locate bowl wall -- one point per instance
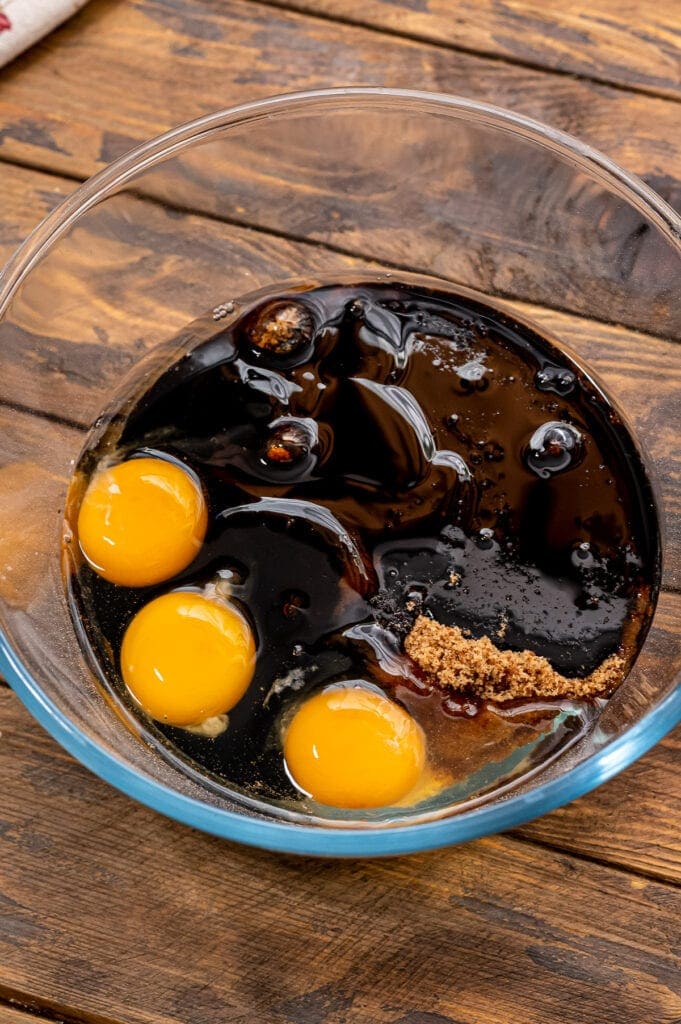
(311, 187)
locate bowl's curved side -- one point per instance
(295, 838)
(317, 842)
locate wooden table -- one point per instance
(111, 914)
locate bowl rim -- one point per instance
(292, 837)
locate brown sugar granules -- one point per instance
(480, 668)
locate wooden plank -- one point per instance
(631, 43)
(199, 929)
(166, 63)
(75, 340)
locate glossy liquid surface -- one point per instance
(369, 452)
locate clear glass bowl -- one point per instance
(311, 186)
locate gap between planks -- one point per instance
(432, 40)
(17, 1007)
(588, 858)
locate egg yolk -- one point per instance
(186, 658)
(141, 522)
(352, 747)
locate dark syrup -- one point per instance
(395, 450)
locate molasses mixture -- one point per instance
(407, 492)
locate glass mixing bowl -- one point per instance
(314, 186)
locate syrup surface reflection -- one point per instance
(370, 453)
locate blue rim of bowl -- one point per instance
(293, 837)
(356, 842)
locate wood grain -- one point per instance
(633, 44)
(200, 930)
(167, 62)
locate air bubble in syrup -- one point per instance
(555, 378)
(582, 556)
(415, 597)
(290, 441)
(485, 538)
(223, 310)
(553, 448)
(473, 371)
(280, 327)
